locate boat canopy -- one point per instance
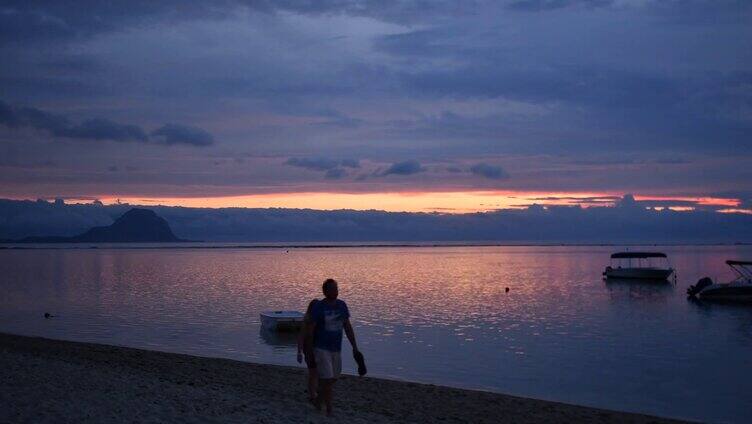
(743, 268)
(637, 255)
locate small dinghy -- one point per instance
(282, 320)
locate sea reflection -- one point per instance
(439, 315)
(639, 290)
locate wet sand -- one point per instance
(51, 381)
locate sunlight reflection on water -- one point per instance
(429, 314)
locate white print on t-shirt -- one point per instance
(333, 321)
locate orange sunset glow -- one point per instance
(442, 202)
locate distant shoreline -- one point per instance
(333, 245)
(46, 380)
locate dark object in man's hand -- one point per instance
(362, 370)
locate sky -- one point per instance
(446, 106)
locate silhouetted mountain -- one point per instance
(136, 225)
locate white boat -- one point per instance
(639, 266)
(737, 290)
(278, 338)
(281, 320)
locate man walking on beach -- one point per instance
(328, 318)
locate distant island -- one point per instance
(134, 226)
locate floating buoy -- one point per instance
(506, 290)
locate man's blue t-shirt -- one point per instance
(329, 319)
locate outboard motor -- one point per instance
(701, 284)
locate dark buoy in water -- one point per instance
(506, 290)
(48, 315)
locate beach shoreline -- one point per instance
(45, 380)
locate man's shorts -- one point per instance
(328, 363)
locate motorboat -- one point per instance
(281, 320)
(639, 266)
(738, 289)
(278, 339)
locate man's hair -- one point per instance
(327, 283)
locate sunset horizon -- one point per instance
(451, 202)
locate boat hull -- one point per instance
(638, 273)
(281, 320)
(727, 293)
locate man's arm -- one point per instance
(351, 335)
(305, 333)
(308, 328)
(302, 336)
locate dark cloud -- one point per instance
(314, 164)
(668, 109)
(33, 22)
(541, 5)
(586, 199)
(56, 125)
(350, 163)
(20, 117)
(335, 173)
(712, 12)
(493, 172)
(339, 121)
(584, 86)
(98, 129)
(628, 201)
(424, 43)
(672, 161)
(24, 22)
(104, 129)
(681, 11)
(667, 112)
(610, 160)
(182, 134)
(6, 161)
(408, 167)
(322, 164)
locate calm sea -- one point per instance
(429, 314)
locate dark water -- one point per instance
(437, 314)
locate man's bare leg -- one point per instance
(313, 383)
(326, 392)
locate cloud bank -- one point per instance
(627, 222)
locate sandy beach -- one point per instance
(45, 381)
